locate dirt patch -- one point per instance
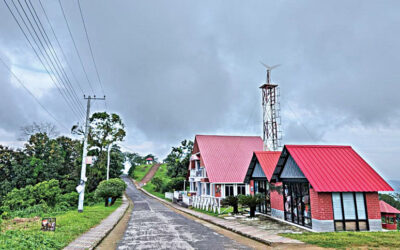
(112, 239)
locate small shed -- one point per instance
(149, 160)
(389, 215)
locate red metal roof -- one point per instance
(149, 159)
(336, 169)
(226, 158)
(268, 161)
(386, 208)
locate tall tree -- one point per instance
(105, 129)
(178, 159)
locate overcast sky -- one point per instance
(173, 69)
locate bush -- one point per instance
(113, 188)
(231, 201)
(158, 183)
(47, 192)
(251, 201)
(70, 198)
(91, 199)
(174, 184)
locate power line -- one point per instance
(48, 58)
(36, 52)
(90, 48)
(30, 93)
(58, 42)
(63, 76)
(76, 48)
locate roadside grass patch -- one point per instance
(350, 239)
(70, 225)
(140, 171)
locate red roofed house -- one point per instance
(218, 164)
(329, 188)
(389, 214)
(149, 160)
(259, 176)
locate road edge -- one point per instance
(93, 237)
(170, 204)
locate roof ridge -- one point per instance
(318, 146)
(256, 136)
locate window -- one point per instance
(228, 190)
(241, 189)
(297, 207)
(208, 188)
(349, 212)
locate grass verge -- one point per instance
(70, 225)
(346, 240)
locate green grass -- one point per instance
(342, 240)
(141, 171)
(161, 173)
(70, 225)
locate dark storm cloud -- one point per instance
(174, 69)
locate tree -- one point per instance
(178, 159)
(105, 129)
(251, 201)
(113, 188)
(231, 201)
(98, 171)
(43, 128)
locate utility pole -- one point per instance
(81, 187)
(108, 160)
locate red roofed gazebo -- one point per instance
(389, 214)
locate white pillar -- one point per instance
(247, 189)
(235, 190)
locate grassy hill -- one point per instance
(140, 171)
(162, 174)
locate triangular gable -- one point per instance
(262, 165)
(291, 170)
(258, 172)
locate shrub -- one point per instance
(251, 201)
(47, 192)
(70, 198)
(158, 183)
(91, 199)
(113, 188)
(231, 201)
(174, 184)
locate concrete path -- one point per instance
(149, 175)
(154, 225)
(269, 237)
(92, 238)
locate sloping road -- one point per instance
(156, 226)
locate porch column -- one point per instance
(235, 190)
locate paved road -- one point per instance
(156, 226)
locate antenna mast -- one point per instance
(271, 118)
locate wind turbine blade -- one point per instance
(275, 66)
(268, 67)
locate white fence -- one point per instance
(169, 195)
(187, 199)
(208, 203)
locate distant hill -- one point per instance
(395, 185)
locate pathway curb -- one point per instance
(95, 235)
(218, 222)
